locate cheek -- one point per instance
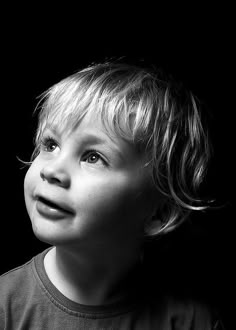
(29, 185)
(111, 198)
(28, 181)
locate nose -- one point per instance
(57, 174)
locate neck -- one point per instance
(91, 280)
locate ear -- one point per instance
(153, 226)
(154, 222)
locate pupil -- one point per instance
(51, 146)
(93, 158)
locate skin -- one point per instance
(99, 243)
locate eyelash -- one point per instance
(46, 141)
(91, 152)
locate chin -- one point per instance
(53, 233)
(45, 233)
(44, 236)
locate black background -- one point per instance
(200, 53)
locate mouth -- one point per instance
(51, 205)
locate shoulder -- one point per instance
(199, 314)
(182, 311)
(180, 302)
(15, 280)
(15, 272)
(22, 277)
(20, 293)
(19, 284)
(188, 313)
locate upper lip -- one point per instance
(58, 204)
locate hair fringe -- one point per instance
(157, 115)
(25, 163)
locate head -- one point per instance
(155, 127)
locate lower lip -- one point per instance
(51, 212)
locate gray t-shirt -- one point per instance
(28, 300)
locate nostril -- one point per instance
(42, 176)
(49, 176)
(60, 178)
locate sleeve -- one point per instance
(206, 318)
(2, 316)
(218, 325)
(193, 315)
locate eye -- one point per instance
(48, 144)
(93, 157)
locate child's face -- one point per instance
(99, 180)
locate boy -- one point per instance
(119, 157)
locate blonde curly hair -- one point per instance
(157, 115)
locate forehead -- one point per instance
(120, 113)
(114, 124)
(91, 130)
(90, 124)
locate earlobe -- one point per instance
(153, 226)
(154, 223)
